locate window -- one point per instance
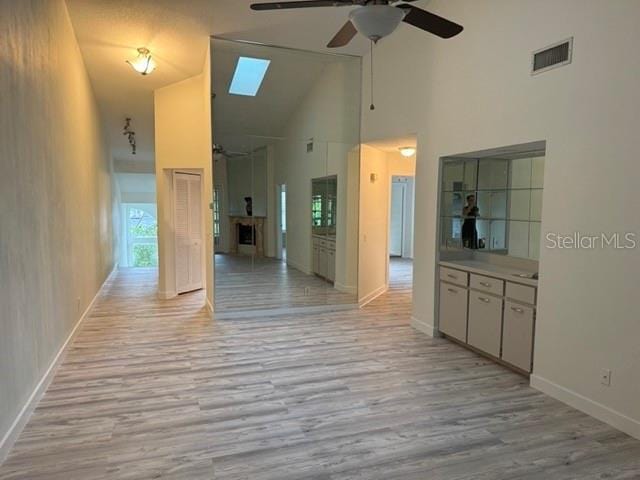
(141, 235)
(316, 210)
(248, 76)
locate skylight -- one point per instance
(248, 76)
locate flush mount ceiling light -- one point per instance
(407, 151)
(143, 63)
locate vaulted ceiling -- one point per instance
(177, 33)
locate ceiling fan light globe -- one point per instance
(376, 21)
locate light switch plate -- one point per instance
(605, 377)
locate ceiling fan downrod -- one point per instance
(372, 106)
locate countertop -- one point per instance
(491, 270)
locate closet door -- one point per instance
(187, 193)
(396, 230)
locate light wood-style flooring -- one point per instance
(154, 389)
(243, 282)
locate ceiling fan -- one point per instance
(220, 150)
(375, 19)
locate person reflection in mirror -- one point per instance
(469, 231)
(248, 205)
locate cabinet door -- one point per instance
(453, 311)
(322, 262)
(485, 322)
(331, 265)
(517, 335)
(316, 259)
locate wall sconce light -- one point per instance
(143, 64)
(407, 151)
(373, 177)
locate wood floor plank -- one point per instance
(156, 389)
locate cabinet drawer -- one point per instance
(454, 276)
(521, 293)
(485, 322)
(487, 284)
(453, 311)
(517, 335)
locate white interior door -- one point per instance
(396, 224)
(187, 193)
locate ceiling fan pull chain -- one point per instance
(372, 106)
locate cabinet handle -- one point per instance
(485, 284)
(452, 290)
(484, 299)
(517, 309)
(452, 276)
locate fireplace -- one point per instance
(246, 234)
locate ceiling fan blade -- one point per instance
(344, 35)
(300, 4)
(430, 22)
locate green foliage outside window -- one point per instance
(144, 230)
(145, 255)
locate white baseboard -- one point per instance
(423, 326)
(350, 289)
(21, 420)
(298, 266)
(209, 306)
(373, 295)
(167, 295)
(612, 417)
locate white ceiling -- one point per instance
(177, 32)
(393, 145)
(241, 123)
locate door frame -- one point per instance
(413, 216)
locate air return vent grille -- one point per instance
(553, 56)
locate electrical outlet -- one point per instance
(605, 377)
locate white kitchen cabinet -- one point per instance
(517, 335)
(485, 322)
(453, 311)
(489, 311)
(324, 257)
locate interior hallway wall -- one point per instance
(183, 141)
(374, 216)
(328, 115)
(460, 98)
(56, 195)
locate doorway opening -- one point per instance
(281, 224)
(401, 216)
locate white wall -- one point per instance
(328, 114)
(374, 223)
(183, 141)
(474, 92)
(57, 233)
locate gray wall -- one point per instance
(56, 234)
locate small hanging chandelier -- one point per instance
(143, 64)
